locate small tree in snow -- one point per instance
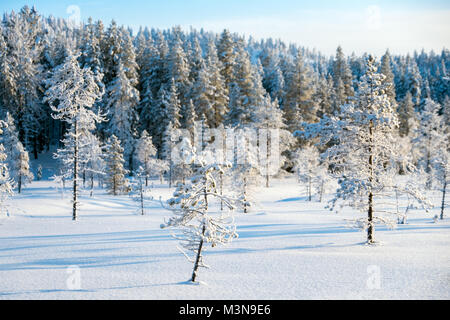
(246, 171)
(20, 169)
(18, 160)
(183, 154)
(145, 155)
(6, 184)
(192, 214)
(307, 167)
(139, 190)
(116, 181)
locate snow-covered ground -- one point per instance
(288, 248)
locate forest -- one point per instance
(121, 110)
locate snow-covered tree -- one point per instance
(116, 181)
(366, 156)
(431, 136)
(17, 157)
(200, 225)
(342, 77)
(145, 155)
(6, 184)
(246, 174)
(122, 100)
(20, 170)
(72, 92)
(94, 164)
(183, 154)
(307, 167)
(297, 103)
(441, 164)
(139, 190)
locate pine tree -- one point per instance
(407, 116)
(17, 156)
(227, 56)
(297, 103)
(200, 226)
(431, 137)
(22, 75)
(386, 70)
(75, 91)
(178, 70)
(241, 89)
(366, 156)
(342, 78)
(116, 181)
(6, 184)
(145, 155)
(122, 100)
(139, 189)
(307, 167)
(246, 169)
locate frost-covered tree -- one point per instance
(227, 55)
(366, 156)
(22, 75)
(17, 157)
(6, 184)
(342, 77)
(116, 181)
(273, 136)
(183, 154)
(94, 164)
(246, 172)
(122, 100)
(145, 155)
(297, 103)
(431, 137)
(407, 116)
(200, 225)
(72, 92)
(307, 167)
(441, 164)
(139, 190)
(20, 170)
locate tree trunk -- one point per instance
(142, 197)
(75, 172)
(321, 191)
(370, 227)
(199, 255)
(267, 158)
(370, 220)
(309, 188)
(92, 184)
(221, 190)
(443, 197)
(19, 184)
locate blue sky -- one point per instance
(359, 26)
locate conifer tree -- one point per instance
(366, 155)
(116, 181)
(72, 92)
(200, 225)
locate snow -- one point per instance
(288, 248)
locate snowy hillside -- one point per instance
(288, 248)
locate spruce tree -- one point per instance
(116, 181)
